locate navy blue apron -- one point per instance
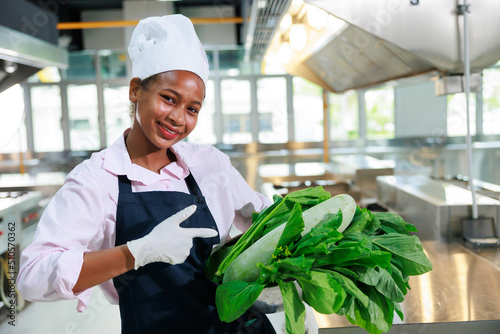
(164, 298)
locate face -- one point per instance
(166, 111)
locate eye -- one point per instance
(168, 98)
(193, 110)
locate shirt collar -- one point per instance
(117, 161)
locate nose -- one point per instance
(177, 115)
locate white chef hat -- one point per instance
(166, 43)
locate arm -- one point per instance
(100, 266)
(168, 242)
(73, 224)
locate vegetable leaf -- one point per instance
(293, 228)
(377, 317)
(407, 249)
(234, 298)
(394, 223)
(322, 293)
(349, 286)
(362, 218)
(295, 311)
(284, 269)
(272, 217)
(319, 239)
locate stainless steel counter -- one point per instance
(460, 295)
(47, 183)
(435, 208)
(362, 169)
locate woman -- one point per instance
(141, 217)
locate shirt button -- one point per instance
(199, 200)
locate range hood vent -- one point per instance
(263, 20)
(384, 40)
(22, 51)
(357, 59)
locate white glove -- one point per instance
(168, 242)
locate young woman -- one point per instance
(141, 217)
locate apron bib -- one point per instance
(165, 298)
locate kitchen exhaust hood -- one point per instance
(22, 55)
(384, 40)
(23, 51)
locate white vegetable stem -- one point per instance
(244, 267)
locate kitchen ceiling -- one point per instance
(71, 11)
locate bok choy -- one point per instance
(346, 260)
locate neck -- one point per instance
(144, 154)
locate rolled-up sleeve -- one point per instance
(71, 225)
(246, 201)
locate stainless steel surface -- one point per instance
(47, 182)
(344, 63)
(19, 215)
(363, 170)
(430, 30)
(389, 40)
(263, 21)
(307, 171)
(482, 187)
(435, 208)
(30, 55)
(284, 178)
(460, 295)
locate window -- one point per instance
(84, 125)
(308, 111)
(457, 114)
(113, 64)
(46, 113)
(236, 107)
(12, 126)
(344, 116)
(379, 104)
(491, 101)
(266, 122)
(81, 66)
(117, 111)
(204, 132)
(272, 107)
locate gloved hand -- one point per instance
(168, 242)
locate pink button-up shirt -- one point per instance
(82, 214)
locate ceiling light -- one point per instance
(261, 4)
(317, 18)
(286, 22)
(285, 52)
(10, 67)
(298, 37)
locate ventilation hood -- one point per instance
(380, 41)
(27, 42)
(22, 55)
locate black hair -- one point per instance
(145, 85)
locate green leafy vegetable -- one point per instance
(322, 292)
(295, 311)
(346, 260)
(236, 298)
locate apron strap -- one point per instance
(193, 186)
(124, 184)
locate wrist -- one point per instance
(136, 250)
(129, 257)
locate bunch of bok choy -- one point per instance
(345, 259)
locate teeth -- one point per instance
(163, 126)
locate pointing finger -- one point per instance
(184, 214)
(201, 232)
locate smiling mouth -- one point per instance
(168, 130)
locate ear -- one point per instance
(134, 87)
